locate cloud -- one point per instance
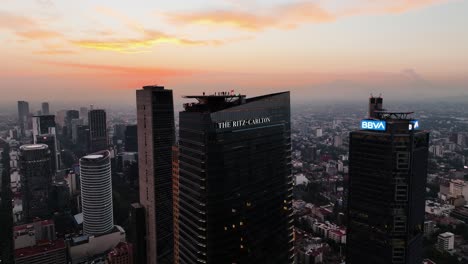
(125, 70)
(149, 39)
(289, 16)
(284, 16)
(12, 21)
(25, 27)
(38, 34)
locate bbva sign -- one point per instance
(378, 125)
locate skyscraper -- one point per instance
(6, 206)
(155, 113)
(96, 193)
(45, 108)
(131, 138)
(44, 132)
(23, 115)
(386, 196)
(51, 141)
(137, 232)
(42, 125)
(175, 198)
(36, 180)
(235, 180)
(70, 116)
(84, 114)
(98, 130)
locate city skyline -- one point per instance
(63, 51)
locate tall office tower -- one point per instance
(387, 182)
(119, 133)
(51, 141)
(235, 180)
(155, 114)
(96, 193)
(43, 125)
(6, 206)
(45, 108)
(44, 132)
(23, 115)
(131, 138)
(98, 130)
(60, 118)
(84, 114)
(175, 199)
(74, 129)
(137, 232)
(36, 180)
(82, 138)
(70, 116)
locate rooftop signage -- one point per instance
(414, 125)
(377, 125)
(243, 122)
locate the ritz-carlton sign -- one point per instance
(243, 122)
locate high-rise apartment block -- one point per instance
(96, 193)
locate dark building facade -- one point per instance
(23, 115)
(137, 232)
(50, 141)
(131, 138)
(43, 124)
(175, 199)
(70, 115)
(98, 130)
(45, 108)
(235, 180)
(6, 207)
(386, 193)
(36, 180)
(156, 136)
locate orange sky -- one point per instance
(64, 50)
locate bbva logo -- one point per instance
(373, 125)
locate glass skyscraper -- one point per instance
(387, 184)
(235, 182)
(36, 180)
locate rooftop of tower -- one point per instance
(213, 102)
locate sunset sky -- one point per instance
(103, 50)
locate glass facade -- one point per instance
(36, 179)
(387, 179)
(235, 183)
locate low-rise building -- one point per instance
(446, 241)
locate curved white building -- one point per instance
(96, 193)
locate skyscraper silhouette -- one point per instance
(386, 196)
(36, 180)
(235, 181)
(155, 113)
(45, 108)
(98, 130)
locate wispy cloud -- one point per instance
(137, 71)
(149, 39)
(38, 34)
(24, 27)
(284, 16)
(289, 16)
